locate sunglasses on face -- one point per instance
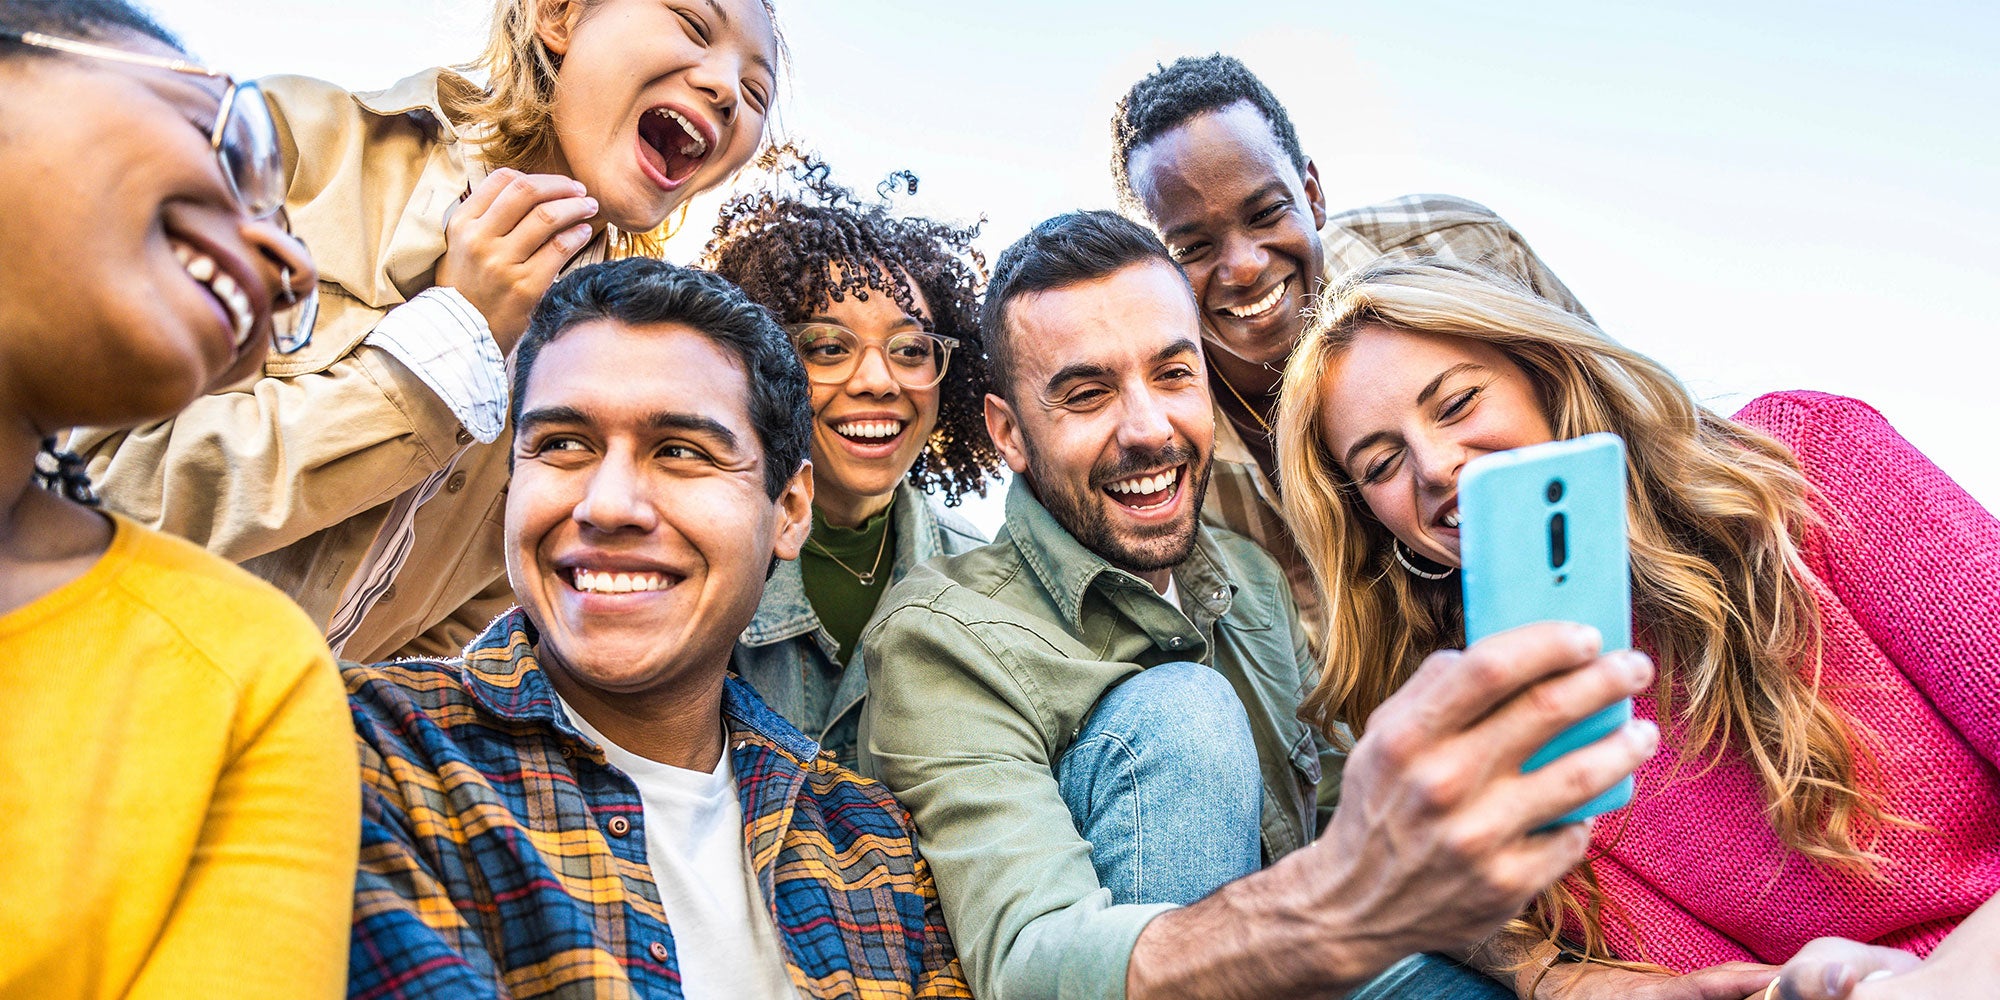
(245, 141)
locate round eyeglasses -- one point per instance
(245, 141)
(831, 352)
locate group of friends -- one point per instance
(476, 605)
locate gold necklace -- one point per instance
(1254, 415)
(867, 579)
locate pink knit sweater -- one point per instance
(1910, 607)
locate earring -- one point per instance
(62, 473)
(1410, 566)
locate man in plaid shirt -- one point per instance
(585, 805)
(1204, 152)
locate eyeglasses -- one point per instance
(831, 352)
(245, 141)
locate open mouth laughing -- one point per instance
(674, 144)
(1262, 306)
(1148, 492)
(222, 286)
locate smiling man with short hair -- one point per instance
(1094, 719)
(586, 804)
(1205, 152)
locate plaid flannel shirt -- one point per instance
(501, 856)
(1240, 494)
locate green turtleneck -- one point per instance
(840, 600)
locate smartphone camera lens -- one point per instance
(1555, 490)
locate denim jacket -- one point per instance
(786, 639)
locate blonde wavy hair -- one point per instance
(1721, 594)
(515, 112)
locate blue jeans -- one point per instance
(1431, 977)
(1163, 782)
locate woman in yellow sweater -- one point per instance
(179, 805)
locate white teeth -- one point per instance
(869, 428)
(696, 144)
(1143, 485)
(1261, 305)
(594, 582)
(1450, 520)
(202, 268)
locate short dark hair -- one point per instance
(639, 291)
(1193, 85)
(92, 20)
(782, 249)
(1067, 250)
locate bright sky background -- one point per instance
(1762, 195)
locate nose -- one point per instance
(1240, 262)
(871, 375)
(1436, 463)
(616, 499)
(1143, 426)
(715, 78)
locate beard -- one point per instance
(1084, 511)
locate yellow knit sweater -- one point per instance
(179, 796)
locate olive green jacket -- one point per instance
(981, 669)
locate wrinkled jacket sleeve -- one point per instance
(408, 940)
(1018, 888)
(1912, 555)
(251, 470)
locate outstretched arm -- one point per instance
(1436, 840)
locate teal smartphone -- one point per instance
(1542, 538)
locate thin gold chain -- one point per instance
(866, 579)
(1254, 415)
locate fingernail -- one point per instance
(1877, 974)
(1588, 639)
(1835, 977)
(1643, 734)
(1638, 667)
(591, 204)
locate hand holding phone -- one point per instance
(1542, 538)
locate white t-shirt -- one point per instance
(724, 939)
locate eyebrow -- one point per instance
(663, 421)
(723, 16)
(1272, 186)
(1086, 369)
(1430, 389)
(907, 320)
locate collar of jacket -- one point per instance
(504, 676)
(785, 613)
(1066, 570)
(417, 92)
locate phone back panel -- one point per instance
(1510, 552)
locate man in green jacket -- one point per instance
(1093, 719)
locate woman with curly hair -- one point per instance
(884, 312)
(1819, 597)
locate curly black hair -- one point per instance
(782, 248)
(1171, 95)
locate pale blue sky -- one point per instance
(1761, 195)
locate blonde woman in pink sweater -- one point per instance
(1820, 600)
